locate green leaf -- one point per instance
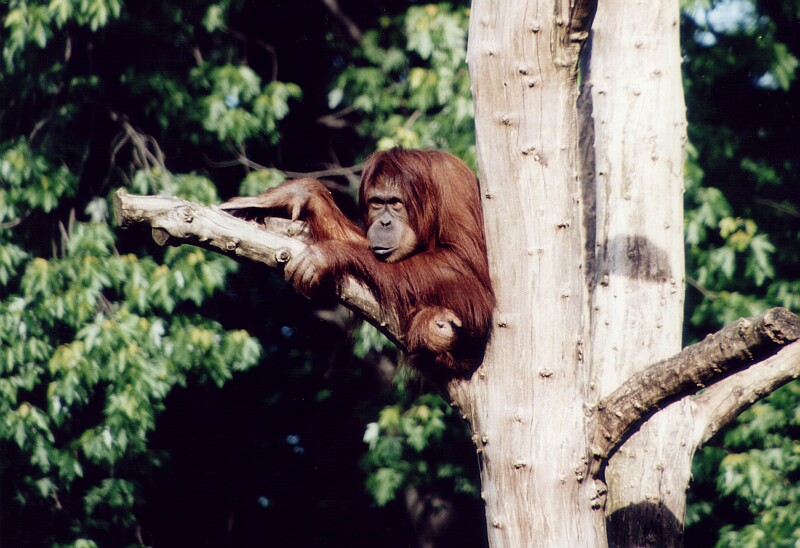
(256, 182)
(383, 485)
(759, 263)
(214, 19)
(785, 66)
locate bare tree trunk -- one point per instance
(583, 198)
(633, 84)
(527, 403)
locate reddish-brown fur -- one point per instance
(448, 271)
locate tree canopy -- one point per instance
(152, 395)
(742, 232)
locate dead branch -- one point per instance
(146, 151)
(349, 25)
(737, 346)
(273, 55)
(722, 402)
(175, 221)
(330, 172)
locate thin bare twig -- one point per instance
(783, 208)
(349, 25)
(330, 172)
(411, 119)
(708, 294)
(334, 119)
(147, 153)
(267, 47)
(13, 222)
(242, 160)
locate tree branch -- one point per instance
(736, 346)
(349, 25)
(339, 170)
(721, 403)
(175, 221)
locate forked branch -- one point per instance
(722, 402)
(176, 221)
(733, 348)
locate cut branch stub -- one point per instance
(177, 221)
(283, 255)
(733, 348)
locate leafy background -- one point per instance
(171, 397)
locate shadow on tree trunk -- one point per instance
(644, 525)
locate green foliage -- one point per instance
(368, 339)
(409, 81)
(93, 340)
(418, 443)
(98, 329)
(742, 234)
(30, 182)
(260, 180)
(729, 252)
(736, 179)
(238, 107)
(91, 348)
(754, 475)
(35, 23)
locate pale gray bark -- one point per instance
(722, 402)
(176, 221)
(734, 347)
(633, 84)
(526, 405)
